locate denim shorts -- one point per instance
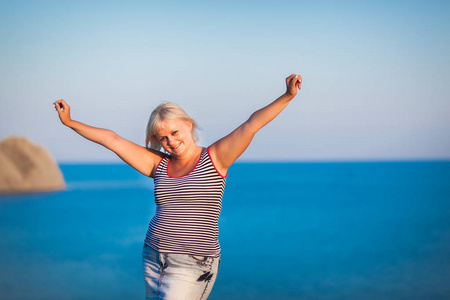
(178, 276)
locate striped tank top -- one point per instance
(187, 209)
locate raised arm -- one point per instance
(225, 151)
(140, 158)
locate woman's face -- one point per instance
(175, 136)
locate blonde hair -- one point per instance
(166, 111)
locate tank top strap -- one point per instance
(162, 166)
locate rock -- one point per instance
(26, 167)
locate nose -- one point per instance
(170, 140)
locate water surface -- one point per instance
(287, 231)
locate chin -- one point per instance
(178, 150)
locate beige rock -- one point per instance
(26, 167)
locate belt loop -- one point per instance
(163, 260)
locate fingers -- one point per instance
(57, 106)
(294, 81)
(294, 78)
(289, 78)
(61, 105)
(299, 81)
(63, 110)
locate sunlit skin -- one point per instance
(176, 138)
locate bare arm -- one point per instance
(140, 158)
(225, 151)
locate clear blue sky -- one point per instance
(376, 73)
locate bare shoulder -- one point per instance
(227, 150)
(212, 151)
(156, 157)
(156, 154)
(142, 159)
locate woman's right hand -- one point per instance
(142, 159)
(63, 111)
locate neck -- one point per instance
(190, 153)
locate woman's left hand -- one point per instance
(293, 84)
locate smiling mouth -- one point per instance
(176, 147)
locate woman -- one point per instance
(181, 253)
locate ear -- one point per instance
(189, 124)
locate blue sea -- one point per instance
(375, 230)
